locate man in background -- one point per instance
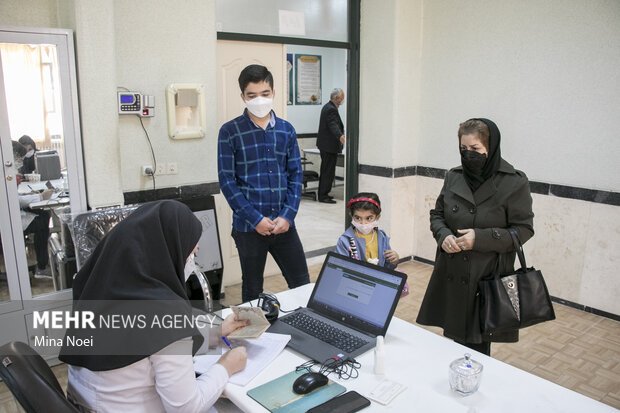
(330, 141)
(260, 174)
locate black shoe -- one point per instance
(329, 196)
(327, 201)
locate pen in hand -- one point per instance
(227, 342)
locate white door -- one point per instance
(232, 57)
(38, 97)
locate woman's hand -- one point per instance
(231, 324)
(234, 360)
(391, 256)
(449, 244)
(466, 240)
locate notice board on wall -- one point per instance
(308, 79)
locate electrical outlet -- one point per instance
(161, 169)
(172, 168)
(146, 168)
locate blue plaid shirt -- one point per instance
(259, 170)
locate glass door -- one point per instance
(42, 166)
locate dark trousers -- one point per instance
(287, 251)
(328, 173)
(40, 227)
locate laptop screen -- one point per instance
(358, 294)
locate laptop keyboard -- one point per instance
(324, 332)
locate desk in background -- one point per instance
(419, 359)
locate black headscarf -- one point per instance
(142, 258)
(494, 158)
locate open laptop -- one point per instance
(352, 296)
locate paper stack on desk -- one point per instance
(261, 352)
(258, 323)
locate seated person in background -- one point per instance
(364, 240)
(28, 166)
(144, 261)
(34, 222)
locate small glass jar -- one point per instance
(465, 375)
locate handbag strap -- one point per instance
(518, 247)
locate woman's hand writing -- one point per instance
(234, 360)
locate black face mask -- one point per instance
(473, 161)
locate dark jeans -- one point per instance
(40, 227)
(328, 173)
(285, 248)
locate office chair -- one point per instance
(90, 227)
(309, 176)
(31, 380)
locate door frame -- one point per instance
(19, 286)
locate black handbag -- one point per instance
(514, 300)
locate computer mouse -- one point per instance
(308, 382)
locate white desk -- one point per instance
(419, 359)
(26, 187)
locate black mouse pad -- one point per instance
(277, 396)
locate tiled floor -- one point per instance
(319, 225)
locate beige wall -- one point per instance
(547, 73)
(142, 45)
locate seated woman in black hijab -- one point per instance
(139, 269)
(478, 202)
(28, 165)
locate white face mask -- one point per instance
(365, 228)
(190, 267)
(260, 106)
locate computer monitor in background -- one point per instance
(47, 165)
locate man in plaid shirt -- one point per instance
(260, 174)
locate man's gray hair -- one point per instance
(335, 93)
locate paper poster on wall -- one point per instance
(289, 78)
(308, 76)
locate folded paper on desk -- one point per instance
(258, 322)
(261, 352)
(277, 396)
(386, 391)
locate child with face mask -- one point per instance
(364, 240)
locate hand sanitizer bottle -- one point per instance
(379, 357)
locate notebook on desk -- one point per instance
(351, 304)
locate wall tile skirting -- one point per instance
(576, 231)
(563, 191)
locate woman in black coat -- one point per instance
(478, 202)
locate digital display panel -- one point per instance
(127, 99)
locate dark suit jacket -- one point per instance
(330, 129)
